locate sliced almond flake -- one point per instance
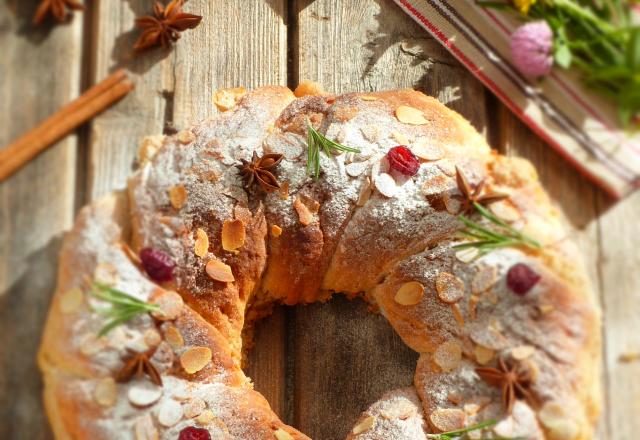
(131, 254)
(365, 192)
(91, 344)
(436, 185)
(152, 337)
(505, 428)
(454, 397)
(386, 185)
(426, 150)
(233, 235)
(354, 169)
(448, 419)
(201, 245)
(178, 196)
(365, 425)
(308, 88)
(467, 255)
(186, 137)
(401, 409)
(450, 288)
(106, 273)
(448, 355)
(522, 352)
(505, 210)
(174, 337)
(488, 336)
(555, 416)
(149, 148)
(106, 392)
(410, 115)
(170, 413)
(284, 190)
(205, 417)
(370, 132)
(457, 314)
(484, 279)
(447, 167)
(281, 434)
(194, 407)
(276, 231)
(491, 296)
(144, 428)
(452, 204)
(400, 138)
(169, 302)
(368, 98)
(195, 359)
(144, 394)
(226, 99)
(546, 308)
(71, 300)
(305, 210)
(409, 294)
(219, 271)
(483, 354)
(471, 409)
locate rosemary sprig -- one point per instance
(461, 434)
(123, 306)
(317, 142)
(486, 240)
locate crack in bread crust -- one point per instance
(344, 244)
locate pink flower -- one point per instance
(531, 48)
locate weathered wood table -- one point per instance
(319, 365)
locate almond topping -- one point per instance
(149, 148)
(473, 306)
(144, 428)
(483, 354)
(457, 314)
(557, 419)
(450, 288)
(205, 417)
(448, 355)
(426, 150)
(368, 98)
(106, 273)
(522, 352)
(409, 294)
(484, 279)
(226, 99)
(194, 407)
(305, 210)
(174, 337)
(386, 185)
(365, 425)
(106, 392)
(144, 394)
(448, 419)
(365, 193)
(170, 413)
(178, 196)
(219, 271)
(400, 138)
(281, 434)
(410, 115)
(71, 300)
(276, 230)
(467, 255)
(201, 245)
(195, 359)
(284, 190)
(169, 302)
(186, 137)
(152, 337)
(233, 235)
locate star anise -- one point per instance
(513, 379)
(60, 9)
(139, 364)
(257, 170)
(471, 195)
(165, 25)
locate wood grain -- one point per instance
(36, 204)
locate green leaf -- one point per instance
(633, 50)
(563, 56)
(123, 306)
(316, 142)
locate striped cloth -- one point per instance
(581, 126)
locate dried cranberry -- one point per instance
(521, 278)
(403, 160)
(158, 265)
(192, 433)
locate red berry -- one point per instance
(521, 278)
(158, 265)
(403, 160)
(192, 433)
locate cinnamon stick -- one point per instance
(64, 121)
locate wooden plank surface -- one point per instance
(36, 204)
(308, 358)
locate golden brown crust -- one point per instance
(360, 228)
